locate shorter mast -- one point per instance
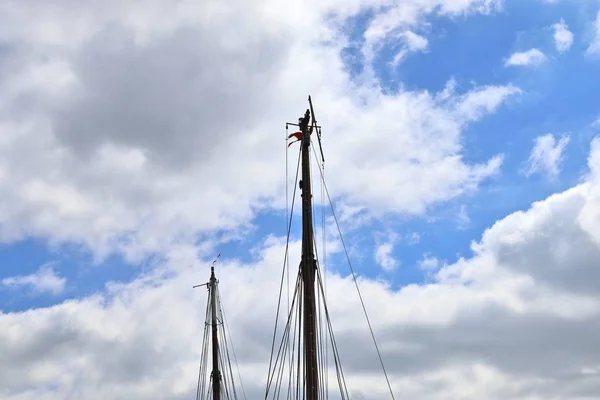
(216, 374)
(216, 381)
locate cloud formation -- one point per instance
(563, 37)
(547, 154)
(519, 318)
(44, 280)
(531, 57)
(148, 128)
(383, 257)
(412, 43)
(594, 47)
(145, 126)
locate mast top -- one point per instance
(303, 122)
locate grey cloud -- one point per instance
(132, 127)
(528, 345)
(176, 98)
(556, 250)
(137, 341)
(153, 96)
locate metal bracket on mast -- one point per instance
(292, 124)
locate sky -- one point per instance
(139, 140)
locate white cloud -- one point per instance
(463, 219)
(475, 104)
(43, 280)
(517, 320)
(429, 263)
(412, 43)
(563, 37)
(392, 19)
(547, 154)
(553, 243)
(414, 238)
(402, 14)
(594, 47)
(138, 131)
(531, 57)
(134, 140)
(384, 257)
(415, 42)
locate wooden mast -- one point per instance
(216, 374)
(305, 379)
(308, 267)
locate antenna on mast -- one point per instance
(317, 128)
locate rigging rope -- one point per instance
(322, 350)
(226, 328)
(287, 266)
(287, 242)
(356, 283)
(203, 357)
(275, 377)
(319, 332)
(284, 343)
(224, 358)
(292, 343)
(324, 242)
(287, 259)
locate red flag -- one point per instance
(297, 135)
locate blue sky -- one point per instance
(139, 141)
(559, 97)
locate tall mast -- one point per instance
(216, 374)
(308, 267)
(304, 377)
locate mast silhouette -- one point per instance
(216, 374)
(307, 373)
(217, 381)
(308, 266)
